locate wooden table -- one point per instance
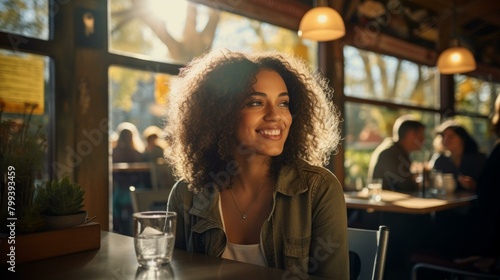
(116, 260)
(411, 218)
(132, 167)
(408, 203)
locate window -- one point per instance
(25, 94)
(385, 78)
(137, 96)
(160, 31)
(474, 101)
(474, 95)
(28, 18)
(379, 89)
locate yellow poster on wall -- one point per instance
(21, 83)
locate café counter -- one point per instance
(116, 260)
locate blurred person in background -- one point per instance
(391, 159)
(153, 152)
(460, 156)
(128, 148)
(485, 214)
(474, 241)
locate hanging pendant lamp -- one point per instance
(456, 59)
(321, 24)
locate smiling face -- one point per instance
(265, 119)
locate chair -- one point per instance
(148, 200)
(161, 176)
(368, 250)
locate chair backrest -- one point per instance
(371, 248)
(147, 200)
(161, 176)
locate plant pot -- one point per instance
(66, 221)
(50, 243)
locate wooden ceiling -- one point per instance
(477, 23)
(431, 23)
(426, 23)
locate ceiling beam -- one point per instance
(476, 10)
(282, 13)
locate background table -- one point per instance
(116, 260)
(412, 219)
(408, 203)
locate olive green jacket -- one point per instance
(305, 233)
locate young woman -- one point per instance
(247, 135)
(461, 156)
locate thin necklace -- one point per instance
(244, 214)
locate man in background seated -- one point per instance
(391, 159)
(153, 152)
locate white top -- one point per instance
(244, 253)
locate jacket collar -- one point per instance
(291, 181)
(204, 203)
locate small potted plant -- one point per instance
(62, 203)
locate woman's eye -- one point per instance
(284, 104)
(253, 103)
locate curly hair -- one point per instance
(203, 113)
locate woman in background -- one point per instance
(128, 146)
(127, 149)
(461, 156)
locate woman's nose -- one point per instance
(272, 114)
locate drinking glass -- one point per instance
(437, 183)
(154, 237)
(374, 186)
(449, 183)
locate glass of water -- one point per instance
(154, 237)
(374, 186)
(438, 183)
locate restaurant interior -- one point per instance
(79, 72)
